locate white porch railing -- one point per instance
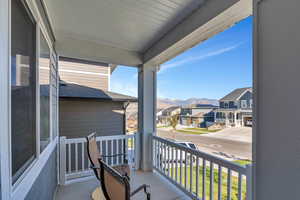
(200, 175)
(74, 162)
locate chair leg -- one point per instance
(142, 187)
(147, 193)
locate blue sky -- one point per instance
(209, 70)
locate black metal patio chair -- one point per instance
(116, 186)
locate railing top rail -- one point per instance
(224, 163)
(99, 138)
(114, 137)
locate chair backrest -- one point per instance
(93, 153)
(114, 185)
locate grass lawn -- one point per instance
(130, 143)
(234, 190)
(242, 162)
(197, 131)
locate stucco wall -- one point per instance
(45, 185)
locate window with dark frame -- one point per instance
(23, 89)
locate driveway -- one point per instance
(242, 134)
(225, 145)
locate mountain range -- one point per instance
(163, 103)
(166, 102)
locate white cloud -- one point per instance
(129, 86)
(216, 52)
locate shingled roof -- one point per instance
(68, 90)
(235, 94)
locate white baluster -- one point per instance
(220, 183)
(197, 176)
(204, 179)
(82, 156)
(69, 152)
(240, 181)
(76, 157)
(117, 141)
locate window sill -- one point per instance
(23, 186)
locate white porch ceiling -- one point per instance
(120, 31)
(127, 24)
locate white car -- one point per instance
(165, 154)
(188, 144)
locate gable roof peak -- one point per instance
(236, 94)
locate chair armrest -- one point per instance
(144, 188)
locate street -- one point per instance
(224, 147)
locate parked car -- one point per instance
(188, 144)
(165, 155)
(248, 123)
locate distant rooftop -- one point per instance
(200, 106)
(69, 90)
(236, 94)
(204, 106)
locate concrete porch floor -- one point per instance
(161, 189)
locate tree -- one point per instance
(174, 121)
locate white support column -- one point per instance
(5, 169)
(235, 120)
(276, 137)
(215, 116)
(146, 114)
(226, 119)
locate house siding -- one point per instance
(79, 117)
(85, 74)
(247, 96)
(45, 185)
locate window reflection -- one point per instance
(23, 89)
(44, 78)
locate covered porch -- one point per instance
(178, 172)
(145, 34)
(160, 188)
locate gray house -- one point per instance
(199, 115)
(86, 104)
(235, 108)
(163, 116)
(84, 110)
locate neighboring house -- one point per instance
(163, 116)
(86, 104)
(199, 115)
(84, 110)
(236, 108)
